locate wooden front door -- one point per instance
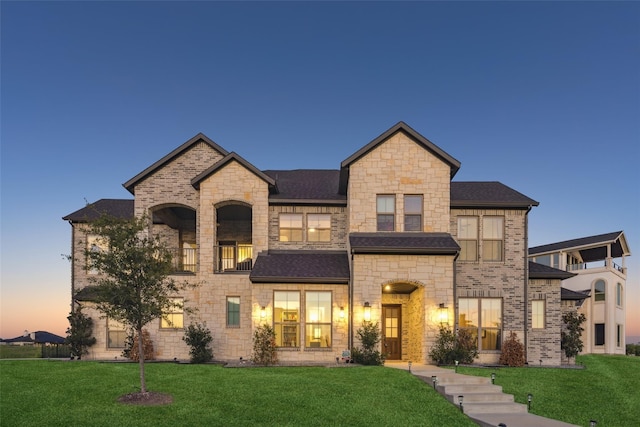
(392, 331)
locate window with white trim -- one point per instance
(286, 318)
(318, 227)
(482, 317)
(386, 212)
(468, 238)
(290, 227)
(413, 212)
(173, 318)
(318, 319)
(537, 314)
(116, 334)
(492, 238)
(233, 312)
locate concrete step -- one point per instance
(480, 397)
(456, 389)
(474, 408)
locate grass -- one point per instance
(63, 393)
(607, 391)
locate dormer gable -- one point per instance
(401, 126)
(200, 137)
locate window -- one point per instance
(286, 318)
(468, 238)
(482, 317)
(619, 294)
(537, 314)
(599, 290)
(319, 227)
(619, 336)
(174, 317)
(116, 334)
(233, 312)
(318, 319)
(386, 208)
(290, 227)
(412, 213)
(599, 330)
(492, 238)
(95, 244)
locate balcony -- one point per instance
(576, 268)
(233, 258)
(185, 260)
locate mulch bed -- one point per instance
(146, 399)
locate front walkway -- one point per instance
(483, 402)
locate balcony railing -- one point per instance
(232, 258)
(185, 260)
(593, 264)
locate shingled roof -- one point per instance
(403, 243)
(119, 208)
(487, 194)
(592, 248)
(569, 295)
(541, 271)
(301, 267)
(307, 185)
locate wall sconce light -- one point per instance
(460, 398)
(443, 314)
(263, 312)
(493, 378)
(529, 399)
(341, 312)
(367, 312)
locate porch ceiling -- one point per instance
(399, 288)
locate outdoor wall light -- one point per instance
(434, 380)
(529, 399)
(263, 312)
(443, 314)
(367, 312)
(341, 313)
(493, 378)
(460, 398)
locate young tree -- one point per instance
(571, 341)
(133, 285)
(79, 333)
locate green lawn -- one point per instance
(607, 391)
(66, 393)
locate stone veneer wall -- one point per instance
(504, 279)
(399, 166)
(544, 344)
(338, 227)
(434, 277)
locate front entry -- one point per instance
(392, 331)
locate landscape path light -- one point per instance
(593, 423)
(529, 399)
(493, 378)
(434, 380)
(460, 398)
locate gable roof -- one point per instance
(569, 295)
(407, 130)
(226, 160)
(403, 243)
(592, 248)
(130, 185)
(301, 267)
(487, 194)
(312, 186)
(541, 271)
(119, 208)
(40, 338)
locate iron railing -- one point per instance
(232, 258)
(185, 260)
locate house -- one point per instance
(38, 337)
(388, 237)
(598, 264)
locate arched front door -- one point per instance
(392, 331)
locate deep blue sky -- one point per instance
(544, 97)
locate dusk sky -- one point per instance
(542, 96)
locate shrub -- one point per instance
(450, 347)
(132, 347)
(198, 337)
(264, 346)
(369, 335)
(512, 351)
(79, 333)
(571, 341)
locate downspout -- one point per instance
(526, 284)
(350, 320)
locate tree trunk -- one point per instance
(143, 384)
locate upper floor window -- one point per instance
(173, 318)
(386, 210)
(95, 243)
(619, 294)
(537, 314)
(319, 227)
(412, 213)
(318, 319)
(233, 312)
(468, 238)
(492, 238)
(599, 290)
(290, 227)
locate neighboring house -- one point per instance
(387, 238)
(38, 337)
(600, 276)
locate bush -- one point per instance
(450, 347)
(198, 337)
(79, 333)
(369, 335)
(512, 351)
(264, 346)
(571, 341)
(132, 352)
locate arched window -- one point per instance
(599, 290)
